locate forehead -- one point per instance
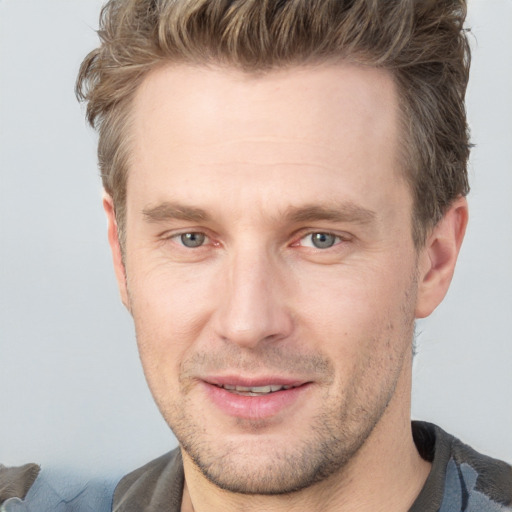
(298, 128)
(320, 102)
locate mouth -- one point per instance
(254, 390)
(255, 399)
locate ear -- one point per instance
(437, 259)
(113, 240)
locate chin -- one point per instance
(271, 465)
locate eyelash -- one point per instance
(178, 237)
(337, 239)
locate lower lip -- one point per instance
(254, 407)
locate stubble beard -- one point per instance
(326, 451)
(266, 466)
(333, 440)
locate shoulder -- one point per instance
(154, 486)
(15, 482)
(483, 481)
(30, 488)
(461, 478)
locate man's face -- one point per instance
(270, 268)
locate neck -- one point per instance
(386, 474)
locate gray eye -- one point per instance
(323, 240)
(192, 239)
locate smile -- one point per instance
(254, 400)
(254, 390)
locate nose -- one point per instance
(252, 302)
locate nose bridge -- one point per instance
(252, 307)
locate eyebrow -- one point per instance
(174, 211)
(345, 212)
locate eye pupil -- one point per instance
(323, 240)
(192, 239)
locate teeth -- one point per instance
(255, 390)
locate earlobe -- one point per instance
(436, 263)
(113, 240)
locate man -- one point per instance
(285, 188)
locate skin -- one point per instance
(315, 151)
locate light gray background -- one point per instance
(71, 389)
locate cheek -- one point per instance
(170, 309)
(353, 310)
(364, 324)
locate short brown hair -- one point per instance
(421, 42)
